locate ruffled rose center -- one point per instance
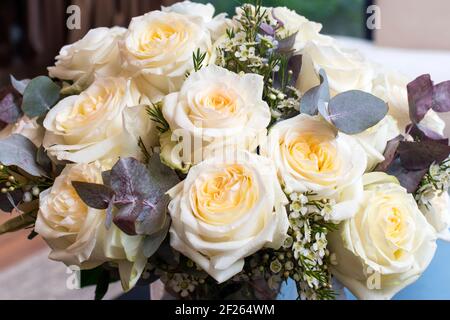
(224, 196)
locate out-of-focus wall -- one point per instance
(420, 24)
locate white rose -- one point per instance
(310, 155)
(437, 212)
(77, 233)
(386, 245)
(104, 121)
(159, 45)
(294, 23)
(215, 109)
(346, 69)
(225, 211)
(96, 54)
(391, 87)
(216, 25)
(374, 140)
(27, 127)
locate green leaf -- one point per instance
(354, 111)
(17, 150)
(40, 95)
(18, 223)
(102, 284)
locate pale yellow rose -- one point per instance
(225, 211)
(104, 121)
(159, 45)
(95, 55)
(215, 109)
(310, 156)
(27, 127)
(437, 212)
(77, 233)
(388, 243)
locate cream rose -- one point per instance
(225, 211)
(159, 45)
(386, 245)
(437, 213)
(104, 121)
(391, 87)
(346, 69)
(309, 155)
(27, 127)
(374, 140)
(294, 23)
(216, 25)
(77, 234)
(95, 55)
(214, 110)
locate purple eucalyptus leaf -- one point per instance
(106, 177)
(310, 101)
(354, 111)
(420, 97)
(421, 133)
(409, 179)
(109, 212)
(10, 102)
(420, 155)
(286, 45)
(140, 193)
(97, 196)
(441, 97)
(389, 154)
(288, 76)
(17, 150)
(8, 201)
(266, 29)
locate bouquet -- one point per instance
(226, 156)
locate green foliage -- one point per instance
(40, 95)
(156, 115)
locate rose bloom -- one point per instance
(159, 45)
(27, 127)
(77, 234)
(310, 156)
(225, 211)
(294, 23)
(346, 69)
(386, 245)
(104, 121)
(215, 109)
(437, 213)
(375, 139)
(391, 87)
(217, 25)
(95, 55)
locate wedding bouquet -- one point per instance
(225, 156)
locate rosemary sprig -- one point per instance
(156, 115)
(198, 58)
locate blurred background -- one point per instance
(413, 38)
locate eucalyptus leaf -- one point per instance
(10, 110)
(316, 96)
(97, 196)
(19, 85)
(354, 111)
(441, 97)
(389, 154)
(138, 192)
(420, 97)
(9, 200)
(420, 155)
(409, 179)
(286, 44)
(17, 150)
(40, 95)
(43, 160)
(154, 241)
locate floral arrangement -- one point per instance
(226, 156)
